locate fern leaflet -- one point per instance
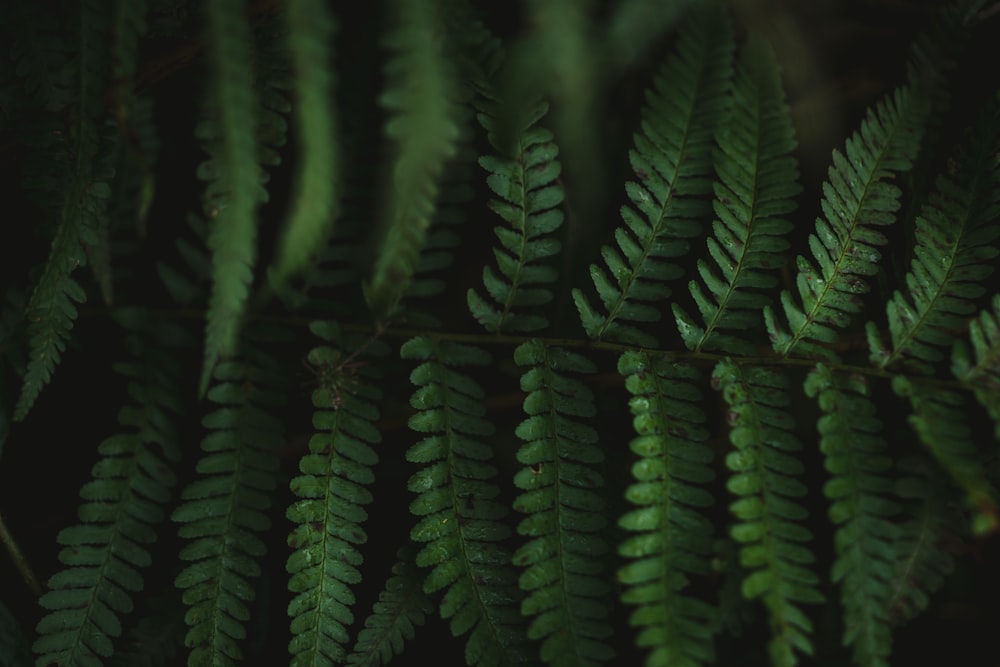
(757, 179)
(225, 507)
(460, 525)
(51, 310)
(861, 509)
(773, 541)
(104, 554)
(954, 233)
(672, 539)
(922, 545)
(423, 125)
(234, 188)
(310, 33)
(672, 160)
(940, 421)
(400, 608)
(982, 374)
(530, 197)
(857, 198)
(332, 490)
(562, 560)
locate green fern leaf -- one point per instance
(769, 530)
(983, 373)
(530, 196)
(672, 537)
(234, 188)
(401, 606)
(922, 545)
(430, 278)
(757, 179)
(51, 310)
(954, 233)
(860, 506)
(332, 490)
(672, 160)
(104, 554)
(460, 518)
(223, 510)
(562, 561)
(423, 125)
(858, 198)
(942, 424)
(310, 35)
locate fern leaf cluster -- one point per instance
(104, 555)
(672, 160)
(531, 437)
(757, 182)
(858, 198)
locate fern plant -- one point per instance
(744, 412)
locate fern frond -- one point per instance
(983, 374)
(51, 310)
(190, 284)
(530, 196)
(941, 422)
(558, 59)
(460, 524)
(954, 235)
(562, 560)
(224, 509)
(858, 198)
(332, 490)
(757, 180)
(769, 518)
(104, 554)
(314, 208)
(672, 161)
(430, 278)
(401, 606)
(422, 124)
(861, 508)
(922, 545)
(233, 176)
(672, 538)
